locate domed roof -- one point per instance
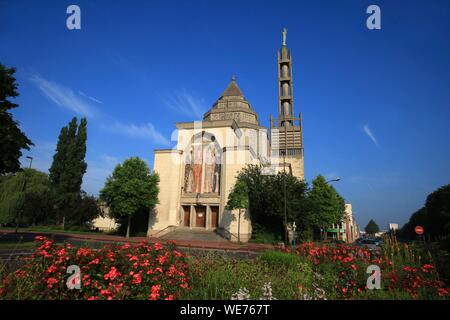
(232, 106)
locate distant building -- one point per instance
(347, 230)
(393, 227)
(105, 223)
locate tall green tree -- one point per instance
(238, 199)
(438, 212)
(25, 195)
(327, 206)
(268, 196)
(85, 212)
(130, 189)
(68, 167)
(372, 227)
(12, 139)
(434, 216)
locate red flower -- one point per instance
(112, 274)
(154, 294)
(83, 252)
(136, 278)
(162, 259)
(158, 246)
(51, 282)
(51, 269)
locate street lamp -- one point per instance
(23, 190)
(270, 172)
(332, 180)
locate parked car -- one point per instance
(371, 244)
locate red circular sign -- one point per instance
(419, 230)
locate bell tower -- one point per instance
(286, 130)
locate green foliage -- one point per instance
(68, 167)
(211, 276)
(85, 212)
(438, 212)
(434, 217)
(266, 196)
(327, 205)
(238, 197)
(260, 234)
(280, 259)
(26, 193)
(372, 227)
(130, 189)
(12, 139)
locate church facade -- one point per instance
(197, 175)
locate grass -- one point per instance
(15, 245)
(217, 277)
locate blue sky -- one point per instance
(375, 103)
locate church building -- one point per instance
(197, 175)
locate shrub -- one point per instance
(143, 271)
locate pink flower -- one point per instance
(112, 274)
(136, 278)
(51, 282)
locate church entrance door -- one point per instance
(200, 220)
(214, 217)
(187, 216)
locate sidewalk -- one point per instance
(218, 245)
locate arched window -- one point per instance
(203, 158)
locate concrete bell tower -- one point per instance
(286, 130)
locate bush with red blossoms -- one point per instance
(141, 271)
(344, 268)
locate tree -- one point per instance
(438, 212)
(266, 196)
(12, 139)
(418, 218)
(86, 211)
(130, 189)
(238, 199)
(434, 216)
(68, 168)
(372, 228)
(327, 206)
(33, 204)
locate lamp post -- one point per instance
(23, 190)
(272, 173)
(336, 179)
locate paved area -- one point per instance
(219, 244)
(193, 234)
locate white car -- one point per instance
(370, 244)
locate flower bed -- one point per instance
(346, 266)
(156, 271)
(143, 271)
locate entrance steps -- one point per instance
(185, 233)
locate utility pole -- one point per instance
(23, 190)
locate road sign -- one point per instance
(418, 230)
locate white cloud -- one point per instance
(89, 97)
(42, 153)
(97, 173)
(370, 134)
(145, 131)
(187, 103)
(63, 96)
